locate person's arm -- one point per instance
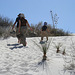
(13, 25)
(29, 25)
(41, 31)
(19, 25)
(48, 30)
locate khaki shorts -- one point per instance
(23, 31)
(44, 34)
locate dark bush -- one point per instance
(5, 27)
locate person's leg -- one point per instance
(17, 35)
(23, 39)
(46, 36)
(25, 32)
(42, 36)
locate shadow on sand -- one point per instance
(44, 67)
(15, 46)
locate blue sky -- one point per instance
(39, 10)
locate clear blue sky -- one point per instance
(39, 10)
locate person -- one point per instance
(21, 29)
(44, 32)
(17, 21)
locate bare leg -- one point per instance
(41, 38)
(47, 38)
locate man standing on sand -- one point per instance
(44, 32)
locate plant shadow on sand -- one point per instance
(42, 63)
(14, 46)
(44, 67)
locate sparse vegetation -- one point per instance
(6, 24)
(5, 27)
(57, 46)
(44, 47)
(64, 52)
(53, 31)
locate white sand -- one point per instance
(18, 60)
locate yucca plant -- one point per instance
(57, 47)
(64, 52)
(44, 47)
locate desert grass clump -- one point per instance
(64, 52)
(44, 47)
(57, 46)
(69, 65)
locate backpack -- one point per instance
(23, 22)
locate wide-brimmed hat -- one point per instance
(22, 15)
